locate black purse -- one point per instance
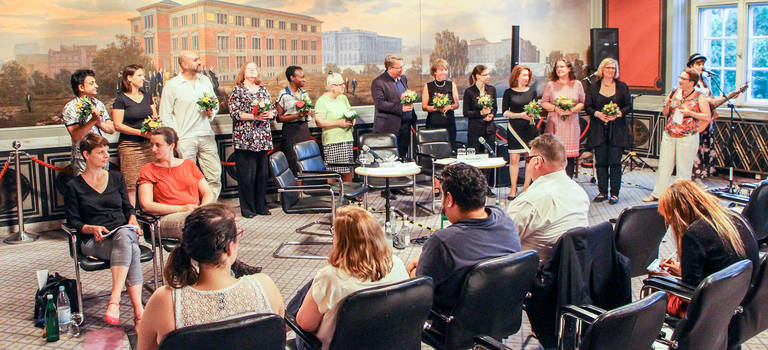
(52, 287)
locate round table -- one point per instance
(480, 163)
(407, 169)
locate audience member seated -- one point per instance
(360, 258)
(203, 290)
(553, 204)
(96, 205)
(708, 236)
(171, 186)
(477, 233)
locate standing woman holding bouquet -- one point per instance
(608, 102)
(252, 138)
(338, 135)
(480, 115)
(521, 123)
(130, 109)
(564, 123)
(440, 117)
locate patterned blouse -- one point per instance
(249, 135)
(690, 125)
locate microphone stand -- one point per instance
(632, 159)
(732, 126)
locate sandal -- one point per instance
(112, 320)
(650, 198)
(600, 197)
(613, 200)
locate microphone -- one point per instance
(487, 146)
(372, 152)
(709, 72)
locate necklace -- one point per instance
(444, 81)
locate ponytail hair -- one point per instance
(170, 137)
(206, 235)
(479, 69)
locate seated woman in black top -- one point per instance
(608, 134)
(96, 204)
(709, 237)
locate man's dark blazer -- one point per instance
(389, 112)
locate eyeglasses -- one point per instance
(528, 158)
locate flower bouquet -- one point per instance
(305, 105)
(611, 109)
(410, 98)
(151, 123)
(350, 115)
(208, 102)
(261, 106)
(84, 108)
(533, 109)
(485, 101)
(440, 100)
(565, 104)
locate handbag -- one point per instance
(52, 287)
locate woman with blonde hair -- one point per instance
(360, 258)
(708, 236)
(440, 118)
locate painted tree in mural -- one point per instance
(371, 68)
(111, 60)
(452, 49)
(331, 67)
(501, 66)
(13, 84)
(415, 69)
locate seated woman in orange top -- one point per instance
(171, 186)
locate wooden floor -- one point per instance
(262, 236)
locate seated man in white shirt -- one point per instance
(552, 204)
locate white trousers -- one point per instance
(675, 152)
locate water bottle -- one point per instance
(403, 236)
(444, 222)
(388, 233)
(63, 311)
(51, 320)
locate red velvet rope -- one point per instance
(5, 168)
(49, 166)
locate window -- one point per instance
(270, 24)
(304, 59)
(283, 61)
(255, 43)
(136, 28)
(175, 22)
(304, 28)
(240, 61)
(149, 21)
(294, 44)
(757, 67)
(194, 18)
(221, 18)
(281, 25)
(240, 43)
(222, 42)
(255, 22)
(270, 61)
(314, 45)
(175, 43)
(314, 29)
(195, 42)
(717, 40)
(222, 63)
(304, 44)
(270, 43)
(282, 44)
(185, 43)
(239, 21)
(184, 20)
(294, 27)
(149, 45)
(294, 60)
(257, 60)
(176, 63)
(314, 59)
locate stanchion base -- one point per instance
(18, 238)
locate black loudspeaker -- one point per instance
(604, 43)
(515, 52)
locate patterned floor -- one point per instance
(262, 236)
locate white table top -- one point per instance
(483, 163)
(402, 169)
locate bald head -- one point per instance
(189, 62)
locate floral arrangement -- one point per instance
(533, 109)
(410, 98)
(350, 115)
(565, 104)
(261, 106)
(305, 104)
(150, 124)
(441, 100)
(485, 101)
(208, 102)
(84, 107)
(611, 109)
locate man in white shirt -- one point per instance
(179, 110)
(553, 204)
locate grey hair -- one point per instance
(333, 78)
(389, 61)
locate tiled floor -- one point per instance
(262, 236)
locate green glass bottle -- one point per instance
(444, 221)
(51, 321)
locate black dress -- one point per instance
(514, 101)
(436, 120)
(135, 113)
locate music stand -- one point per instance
(631, 160)
(732, 126)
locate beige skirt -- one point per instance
(133, 155)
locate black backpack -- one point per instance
(52, 287)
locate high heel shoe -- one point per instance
(112, 320)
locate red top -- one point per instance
(690, 125)
(175, 185)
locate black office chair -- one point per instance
(90, 263)
(383, 317)
(462, 132)
(312, 166)
(639, 231)
(754, 319)
(431, 145)
(252, 331)
(756, 209)
(151, 226)
(384, 145)
(293, 203)
(711, 306)
(490, 303)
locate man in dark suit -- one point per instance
(390, 116)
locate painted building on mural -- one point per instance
(353, 47)
(70, 58)
(226, 35)
(482, 51)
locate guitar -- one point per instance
(703, 125)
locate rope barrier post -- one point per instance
(21, 236)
